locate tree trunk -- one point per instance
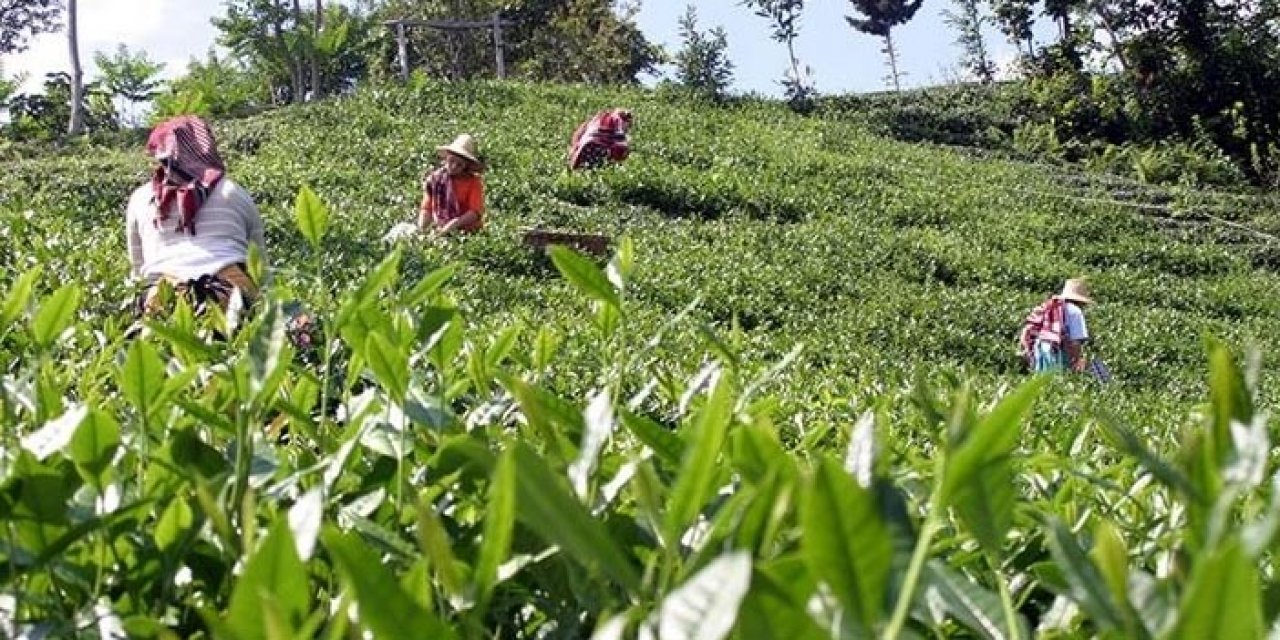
(316, 89)
(795, 64)
(1117, 47)
(282, 43)
(76, 125)
(893, 60)
(299, 58)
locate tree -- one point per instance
(75, 122)
(294, 53)
(129, 78)
(589, 41)
(21, 19)
(968, 21)
(317, 87)
(784, 16)
(44, 115)
(214, 87)
(263, 34)
(881, 17)
(1015, 17)
(701, 64)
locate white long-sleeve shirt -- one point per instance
(225, 226)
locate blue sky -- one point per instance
(172, 31)
(843, 60)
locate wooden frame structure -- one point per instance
(451, 27)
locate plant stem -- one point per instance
(932, 522)
(244, 451)
(1006, 600)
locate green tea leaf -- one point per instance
(499, 523)
(599, 423)
(1222, 599)
(19, 296)
(501, 347)
(429, 285)
(264, 353)
(584, 275)
(385, 609)
(174, 523)
(846, 544)
(705, 607)
(547, 506)
(694, 485)
(774, 608)
(389, 364)
(142, 379)
(436, 546)
(55, 315)
(94, 445)
(976, 608)
(1111, 557)
(1088, 587)
(274, 574)
(978, 476)
(311, 216)
(555, 419)
(662, 440)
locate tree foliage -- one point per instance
(283, 45)
(702, 63)
(21, 19)
(967, 19)
(880, 17)
(784, 20)
(215, 87)
(129, 77)
(588, 41)
(44, 116)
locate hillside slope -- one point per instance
(878, 255)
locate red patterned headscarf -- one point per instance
(189, 168)
(602, 137)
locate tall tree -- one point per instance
(588, 41)
(263, 35)
(701, 63)
(968, 21)
(75, 124)
(784, 18)
(129, 78)
(1015, 17)
(21, 19)
(881, 17)
(317, 87)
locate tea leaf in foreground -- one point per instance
(385, 609)
(705, 607)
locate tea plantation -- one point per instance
(789, 405)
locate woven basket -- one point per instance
(594, 244)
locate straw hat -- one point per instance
(463, 146)
(1076, 290)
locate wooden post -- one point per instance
(402, 42)
(497, 45)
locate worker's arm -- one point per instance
(465, 220)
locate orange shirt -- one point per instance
(469, 190)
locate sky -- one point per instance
(842, 60)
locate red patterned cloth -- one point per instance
(1045, 323)
(189, 168)
(603, 137)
